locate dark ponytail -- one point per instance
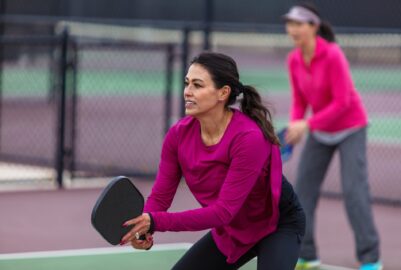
(223, 71)
(251, 104)
(325, 29)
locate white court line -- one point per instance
(330, 267)
(90, 251)
(110, 250)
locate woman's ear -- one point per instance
(224, 93)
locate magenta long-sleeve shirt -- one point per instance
(326, 86)
(237, 182)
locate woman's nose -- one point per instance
(187, 91)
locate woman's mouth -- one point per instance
(189, 104)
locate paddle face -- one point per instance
(119, 202)
(285, 149)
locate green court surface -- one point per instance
(104, 82)
(123, 258)
(384, 130)
(375, 79)
(36, 82)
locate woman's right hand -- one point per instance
(141, 226)
(295, 131)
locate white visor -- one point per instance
(301, 14)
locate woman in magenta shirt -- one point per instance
(321, 80)
(230, 160)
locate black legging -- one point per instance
(277, 251)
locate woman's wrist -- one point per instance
(152, 224)
(151, 229)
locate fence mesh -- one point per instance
(120, 109)
(28, 115)
(115, 105)
(120, 85)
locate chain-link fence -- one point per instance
(28, 125)
(82, 107)
(121, 79)
(121, 107)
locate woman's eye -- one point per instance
(186, 83)
(197, 85)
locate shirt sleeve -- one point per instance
(168, 176)
(247, 162)
(298, 103)
(341, 86)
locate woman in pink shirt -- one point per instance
(231, 162)
(321, 80)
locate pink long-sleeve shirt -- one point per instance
(237, 182)
(326, 86)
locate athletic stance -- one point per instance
(320, 79)
(230, 160)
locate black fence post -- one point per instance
(184, 65)
(61, 109)
(169, 84)
(72, 106)
(208, 20)
(3, 10)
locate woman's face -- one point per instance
(301, 33)
(200, 93)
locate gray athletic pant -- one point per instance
(312, 168)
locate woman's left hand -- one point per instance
(141, 227)
(295, 131)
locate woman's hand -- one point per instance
(141, 227)
(295, 131)
(143, 244)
